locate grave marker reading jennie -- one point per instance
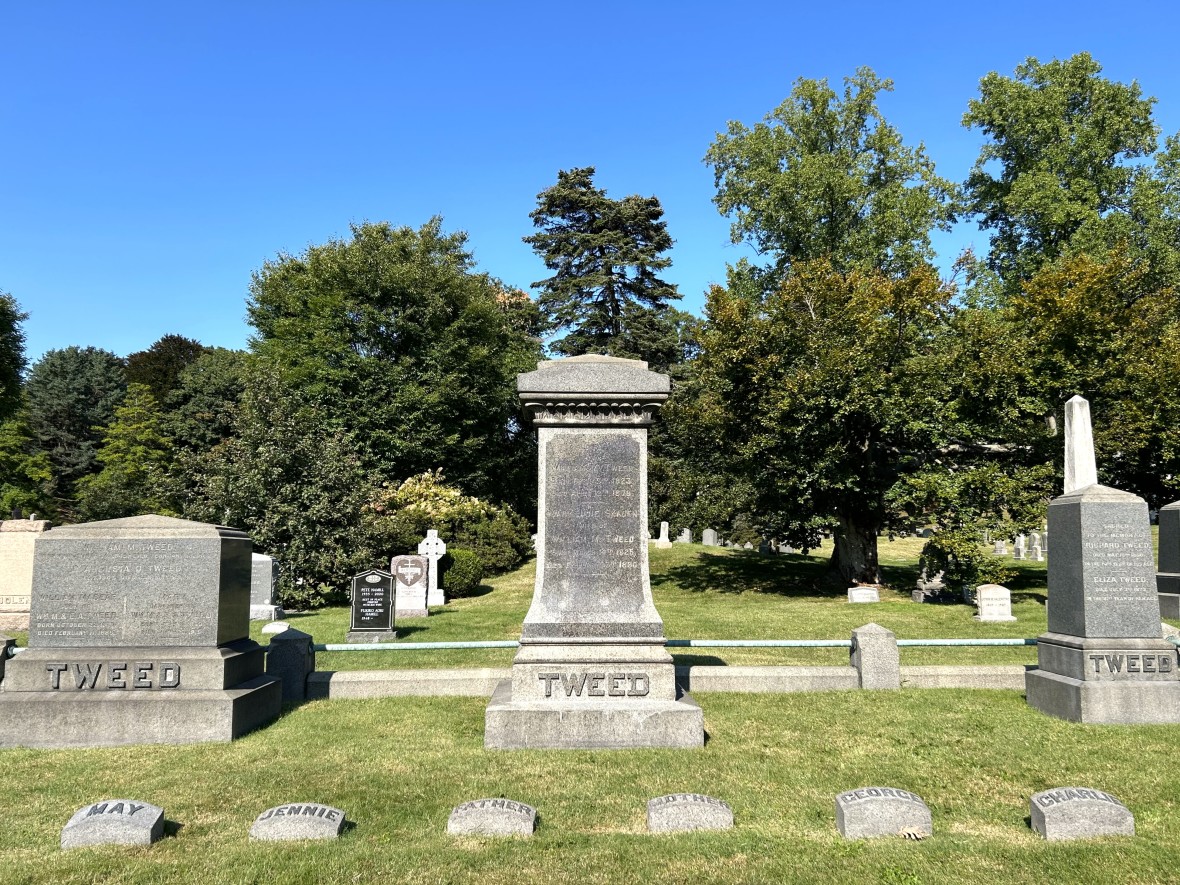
(592, 670)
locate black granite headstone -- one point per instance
(372, 607)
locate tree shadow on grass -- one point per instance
(745, 571)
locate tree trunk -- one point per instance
(855, 555)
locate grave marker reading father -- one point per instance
(592, 670)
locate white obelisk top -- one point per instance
(1080, 467)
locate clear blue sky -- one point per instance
(153, 155)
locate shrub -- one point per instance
(967, 565)
(462, 572)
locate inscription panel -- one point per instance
(594, 544)
(157, 592)
(372, 602)
(1102, 580)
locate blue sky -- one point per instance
(152, 156)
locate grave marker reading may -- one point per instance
(592, 670)
(1103, 658)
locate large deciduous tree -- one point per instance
(402, 344)
(605, 294)
(71, 396)
(825, 176)
(832, 389)
(1055, 165)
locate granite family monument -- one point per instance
(592, 670)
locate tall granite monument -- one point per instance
(592, 671)
(1167, 579)
(1103, 659)
(138, 634)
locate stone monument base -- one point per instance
(266, 613)
(1105, 681)
(620, 724)
(14, 620)
(371, 636)
(50, 720)
(106, 697)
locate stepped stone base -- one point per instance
(266, 613)
(1103, 703)
(613, 725)
(55, 720)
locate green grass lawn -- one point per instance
(398, 765)
(711, 593)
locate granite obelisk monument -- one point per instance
(1103, 659)
(592, 671)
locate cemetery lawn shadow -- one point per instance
(743, 571)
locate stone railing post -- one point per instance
(291, 659)
(875, 657)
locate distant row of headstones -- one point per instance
(864, 813)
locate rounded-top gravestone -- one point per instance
(881, 811)
(686, 812)
(114, 822)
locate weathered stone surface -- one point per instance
(372, 607)
(994, 603)
(290, 658)
(592, 670)
(1081, 470)
(7, 643)
(141, 581)
(710, 538)
(492, 817)
(298, 821)
(685, 536)
(89, 676)
(1079, 813)
(662, 541)
(685, 812)
(410, 586)
(863, 594)
(881, 811)
(1102, 577)
(875, 657)
(114, 822)
(17, 540)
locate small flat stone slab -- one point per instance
(881, 811)
(307, 820)
(863, 594)
(114, 822)
(1079, 813)
(685, 812)
(275, 627)
(492, 817)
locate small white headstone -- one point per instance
(1001, 548)
(307, 820)
(685, 536)
(994, 603)
(709, 538)
(409, 586)
(1037, 555)
(863, 594)
(663, 542)
(685, 812)
(881, 811)
(1079, 813)
(492, 817)
(114, 822)
(275, 627)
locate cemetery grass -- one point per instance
(397, 766)
(712, 593)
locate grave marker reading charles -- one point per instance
(592, 670)
(139, 634)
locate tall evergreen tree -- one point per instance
(160, 366)
(12, 354)
(605, 292)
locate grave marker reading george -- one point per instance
(881, 811)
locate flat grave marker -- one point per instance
(870, 812)
(687, 812)
(298, 821)
(1079, 813)
(114, 822)
(492, 817)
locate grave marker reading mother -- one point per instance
(592, 671)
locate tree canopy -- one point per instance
(12, 354)
(160, 366)
(605, 292)
(826, 176)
